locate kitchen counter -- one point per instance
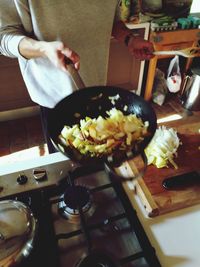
(175, 235)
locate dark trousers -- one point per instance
(43, 114)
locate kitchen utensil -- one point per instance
(190, 93)
(17, 232)
(187, 52)
(92, 102)
(182, 180)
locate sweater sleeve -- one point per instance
(11, 29)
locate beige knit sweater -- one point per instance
(84, 25)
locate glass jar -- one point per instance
(177, 9)
(151, 7)
(124, 10)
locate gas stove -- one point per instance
(84, 217)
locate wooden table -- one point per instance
(169, 40)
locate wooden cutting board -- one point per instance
(155, 198)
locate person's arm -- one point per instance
(55, 51)
(14, 40)
(137, 46)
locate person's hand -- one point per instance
(140, 48)
(57, 53)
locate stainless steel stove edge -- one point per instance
(10, 183)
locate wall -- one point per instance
(195, 7)
(13, 92)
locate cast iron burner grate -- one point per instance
(46, 250)
(146, 254)
(97, 259)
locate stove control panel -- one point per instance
(32, 179)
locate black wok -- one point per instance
(92, 102)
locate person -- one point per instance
(42, 34)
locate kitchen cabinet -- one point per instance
(169, 40)
(13, 92)
(123, 69)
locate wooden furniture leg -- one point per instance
(150, 78)
(188, 64)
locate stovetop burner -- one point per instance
(97, 259)
(76, 199)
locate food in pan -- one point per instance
(102, 136)
(114, 98)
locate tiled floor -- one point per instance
(21, 139)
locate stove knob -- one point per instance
(40, 174)
(22, 179)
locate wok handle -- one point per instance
(74, 74)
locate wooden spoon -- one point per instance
(187, 52)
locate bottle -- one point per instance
(124, 10)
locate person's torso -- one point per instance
(84, 26)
